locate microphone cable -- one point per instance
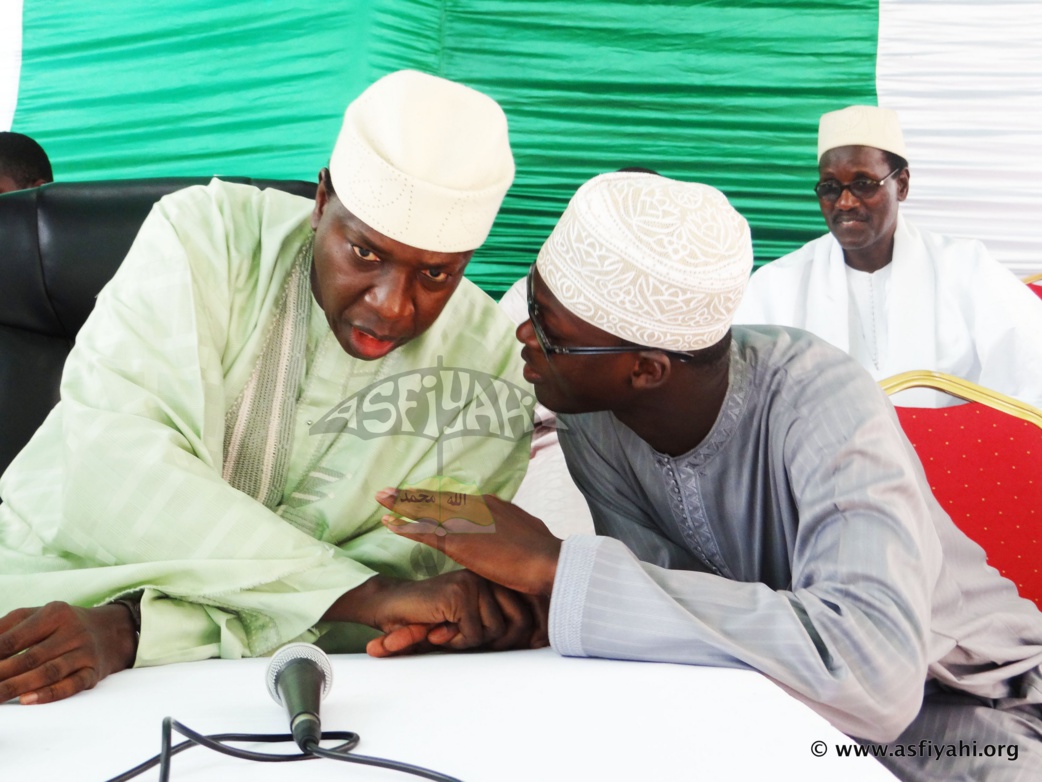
(339, 753)
(218, 743)
(298, 677)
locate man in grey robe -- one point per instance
(755, 500)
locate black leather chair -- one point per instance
(59, 245)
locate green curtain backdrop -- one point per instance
(726, 93)
(114, 88)
(719, 92)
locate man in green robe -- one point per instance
(257, 369)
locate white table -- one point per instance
(526, 716)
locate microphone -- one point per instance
(299, 677)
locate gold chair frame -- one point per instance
(963, 389)
(1032, 278)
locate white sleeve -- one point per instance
(1006, 324)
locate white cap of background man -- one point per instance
(424, 160)
(863, 126)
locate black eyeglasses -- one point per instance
(550, 349)
(830, 190)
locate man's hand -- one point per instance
(518, 552)
(451, 611)
(52, 652)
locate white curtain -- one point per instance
(966, 80)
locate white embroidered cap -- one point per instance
(649, 259)
(866, 126)
(424, 160)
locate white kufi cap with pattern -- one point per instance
(649, 259)
(863, 126)
(424, 160)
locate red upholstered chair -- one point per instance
(1035, 283)
(984, 463)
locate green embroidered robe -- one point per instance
(121, 490)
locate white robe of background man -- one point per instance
(949, 306)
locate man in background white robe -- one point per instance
(894, 296)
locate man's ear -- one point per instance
(902, 184)
(651, 370)
(321, 198)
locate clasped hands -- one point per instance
(500, 602)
